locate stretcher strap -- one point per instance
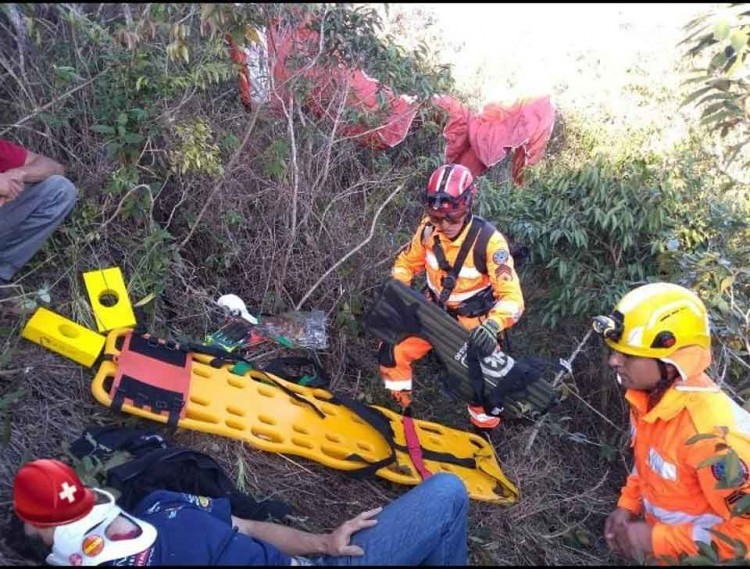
(415, 449)
(223, 357)
(382, 425)
(143, 394)
(377, 421)
(152, 373)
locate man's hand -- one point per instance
(626, 536)
(337, 542)
(484, 338)
(617, 519)
(10, 187)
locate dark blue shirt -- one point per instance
(196, 530)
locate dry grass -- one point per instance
(566, 488)
(250, 244)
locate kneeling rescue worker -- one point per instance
(682, 487)
(481, 290)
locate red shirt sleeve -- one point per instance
(11, 156)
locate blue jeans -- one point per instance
(27, 221)
(425, 526)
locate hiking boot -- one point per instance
(480, 419)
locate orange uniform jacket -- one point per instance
(668, 485)
(418, 257)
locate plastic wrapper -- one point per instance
(293, 329)
(299, 329)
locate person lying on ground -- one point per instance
(682, 488)
(84, 526)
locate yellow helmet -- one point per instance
(656, 320)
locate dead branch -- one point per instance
(229, 169)
(350, 253)
(53, 102)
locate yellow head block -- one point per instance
(109, 299)
(64, 336)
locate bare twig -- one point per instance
(21, 84)
(323, 176)
(9, 372)
(52, 102)
(350, 253)
(122, 201)
(229, 169)
(295, 186)
(584, 494)
(573, 356)
(555, 383)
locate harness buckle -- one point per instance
(448, 281)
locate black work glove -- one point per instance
(484, 338)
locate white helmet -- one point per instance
(84, 542)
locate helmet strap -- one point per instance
(467, 221)
(664, 383)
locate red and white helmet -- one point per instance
(450, 189)
(48, 493)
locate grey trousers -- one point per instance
(27, 221)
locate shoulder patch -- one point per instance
(718, 469)
(500, 256)
(504, 273)
(731, 502)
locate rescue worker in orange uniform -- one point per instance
(661, 346)
(484, 302)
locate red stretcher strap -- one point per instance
(415, 449)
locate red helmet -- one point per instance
(48, 493)
(450, 189)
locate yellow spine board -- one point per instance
(249, 409)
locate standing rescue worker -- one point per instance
(661, 346)
(485, 300)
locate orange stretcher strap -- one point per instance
(152, 373)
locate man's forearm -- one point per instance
(37, 170)
(288, 540)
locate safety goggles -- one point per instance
(445, 208)
(438, 217)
